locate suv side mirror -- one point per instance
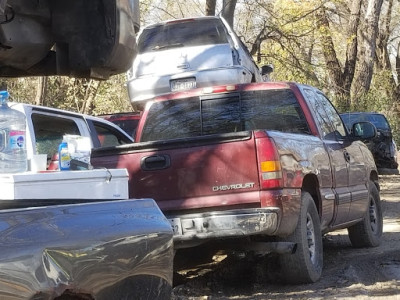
(266, 70)
(364, 130)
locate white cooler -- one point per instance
(87, 184)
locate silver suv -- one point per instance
(188, 53)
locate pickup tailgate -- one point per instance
(208, 171)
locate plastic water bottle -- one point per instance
(12, 138)
(64, 158)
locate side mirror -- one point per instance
(364, 130)
(266, 70)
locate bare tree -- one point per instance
(91, 89)
(368, 35)
(228, 10)
(341, 78)
(41, 90)
(328, 49)
(210, 7)
(352, 46)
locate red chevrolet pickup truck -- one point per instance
(270, 164)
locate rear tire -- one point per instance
(368, 232)
(305, 264)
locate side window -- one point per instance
(333, 116)
(327, 131)
(49, 132)
(109, 136)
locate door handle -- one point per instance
(346, 156)
(155, 162)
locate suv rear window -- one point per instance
(250, 110)
(185, 33)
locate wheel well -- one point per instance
(374, 177)
(71, 295)
(310, 185)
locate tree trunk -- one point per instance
(210, 7)
(367, 56)
(329, 52)
(383, 61)
(352, 47)
(41, 90)
(228, 10)
(396, 92)
(90, 95)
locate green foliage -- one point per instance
(112, 96)
(73, 94)
(21, 89)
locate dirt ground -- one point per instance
(349, 273)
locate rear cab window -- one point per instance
(225, 113)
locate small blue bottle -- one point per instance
(64, 158)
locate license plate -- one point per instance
(176, 226)
(183, 84)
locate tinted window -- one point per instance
(182, 34)
(328, 119)
(220, 115)
(128, 125)
(273, 110)
(378, 120)
(269, 109)
(319, 113)
(333, 116)
(172, 119)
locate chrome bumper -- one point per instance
(233, 223)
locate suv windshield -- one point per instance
(189, 32)
(378, 120)
(190, 117)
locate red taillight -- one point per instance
(269, 165)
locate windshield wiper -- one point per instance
(167, 46)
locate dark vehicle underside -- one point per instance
(80, 38)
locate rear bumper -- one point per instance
(147, 87)
(233, 223)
